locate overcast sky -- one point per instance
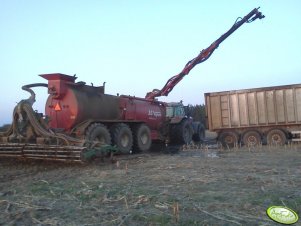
(136, 46)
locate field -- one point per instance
(198, 186)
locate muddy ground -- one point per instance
(192, 187)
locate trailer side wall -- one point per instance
(268, 106)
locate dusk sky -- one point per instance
(136, 46)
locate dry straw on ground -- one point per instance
(199, 186)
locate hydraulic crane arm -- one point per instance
(203, 56)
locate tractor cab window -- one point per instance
(176, 111)
(169, 112)
(179, 111)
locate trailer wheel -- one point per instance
(228, 139)
(98, 132)
(276, 137)
(122, 137)
(251, 138)
(142, 138)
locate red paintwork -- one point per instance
(153, 113)
(71, 103)
(202, 56)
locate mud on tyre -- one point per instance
(228, 139)
(99, 133)
(276, 137)
(251, 138)
(181, 133)
(142, 138)
(122, 137)
(199, 135)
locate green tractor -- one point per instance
(183, 129)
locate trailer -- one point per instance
(82, 121)
(267, 115)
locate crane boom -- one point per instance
(203, 55)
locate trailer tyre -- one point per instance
(276, 137)
(142, 138)
(99, 133)
(228, 139)
(251, 138)
(122, 137)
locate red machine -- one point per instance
(71, 103)
(203, 56)
(82, 120)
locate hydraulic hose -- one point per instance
(32, 97)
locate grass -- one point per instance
(188, 188)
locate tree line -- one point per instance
(197, 112)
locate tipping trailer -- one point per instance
(269, 115)
(82, 121)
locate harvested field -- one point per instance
(190, 187)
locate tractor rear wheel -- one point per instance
(122, 137)
(199, 136)
(182, 133)
(142, 138)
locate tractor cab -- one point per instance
(175, 111)
(183, 128)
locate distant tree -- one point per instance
(197, 112)
(4, 128)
